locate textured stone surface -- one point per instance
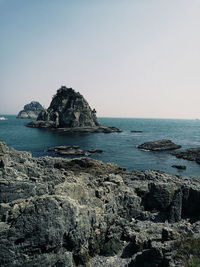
(70, 112)
(30, 111)
(83, 212)
(159, 145)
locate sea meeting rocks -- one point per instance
(72, 150)
(192, 154)
(30, 111)
(83, 212)
(159, 145)
(69, 112)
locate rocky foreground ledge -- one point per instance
(82, 212)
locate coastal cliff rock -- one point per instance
(71, 112)
(83, 212)
(30, 111)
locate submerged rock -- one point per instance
(83, 212)
(31, 111)
(159, 145)
(192, 154)
(136, 131)
(72, 151)
(67, 150)
(180, 167)
(70, 112)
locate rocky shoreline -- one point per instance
(83, 212)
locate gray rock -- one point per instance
(159, 145)
(83, 212)
(31, 111)
(192, 154)
(69, 112)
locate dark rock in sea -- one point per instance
(95, 151)
(72, 150)
(136, 131)
(31, 111)
(70, 112)
(180, 167)
(159, 145)
(83, 212)
(67, 150)
(192, 154)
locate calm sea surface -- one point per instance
(120, 148)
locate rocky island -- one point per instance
(159, 145)
(83, 212)
(70, 112)
(30, 111)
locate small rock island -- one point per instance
(159, 145)
(70, 112)
(30, 111)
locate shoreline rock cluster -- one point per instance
(69, 112)
(83, 212)
(31, 111)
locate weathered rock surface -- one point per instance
(83, 212)
(70, 112)
(31, 111)
(159, 145)
(192, 154)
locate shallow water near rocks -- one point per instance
(120, 148)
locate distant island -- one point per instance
(70, 112)
(30, 111)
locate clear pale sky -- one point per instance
(128, 58)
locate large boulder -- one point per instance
(30, 111)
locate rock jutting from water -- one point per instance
(192, 154)
(31, 111)
(70, 112)
(72, 151)
(159, 145)
(83, 212)
(180, 167)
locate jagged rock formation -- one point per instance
(159, 145)
(31, 111)
(69, 110)
(82, 212)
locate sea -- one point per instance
(120, 148)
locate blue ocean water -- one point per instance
(120, 148)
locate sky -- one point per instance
(130, 58)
